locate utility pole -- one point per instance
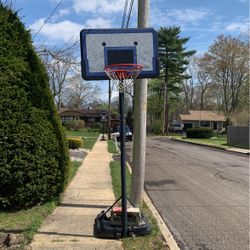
(140, 118)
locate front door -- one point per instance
(214, 125)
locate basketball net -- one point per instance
(123, 75)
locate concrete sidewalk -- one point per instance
(70, 226)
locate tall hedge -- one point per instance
(34, 158)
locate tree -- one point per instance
(173, 65)
(227, 64)
(34, 159)
(155, 98)
(59, 62)
(188, 86)
(80, 93)
(203, 79)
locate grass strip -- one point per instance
(152, 241)
(28, 221)
(73, 169)
(112, 147)
(216, 142)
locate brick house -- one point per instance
(89, 116)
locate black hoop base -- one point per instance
(103, 227)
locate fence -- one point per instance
(238, 136)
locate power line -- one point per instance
(47, 19)
(129, 13)
(124, 13)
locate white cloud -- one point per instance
(241, 27)
(65, 30)
(98, 6)
(64, 12)
(178, 17)
(98, 23)
(188, 15)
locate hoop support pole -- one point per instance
(123, 160)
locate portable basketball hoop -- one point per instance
(123, 74)
(123, 220)
(118, 54)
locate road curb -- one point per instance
(211, 146)
(168, 237)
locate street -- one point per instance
(201, 193)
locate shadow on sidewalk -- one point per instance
(82, 205)
(66, 234)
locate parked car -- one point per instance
(176, 128)
(128, 134)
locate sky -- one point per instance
(200, 20)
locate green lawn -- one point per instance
(112, 147)
(27, 221)
(152, 241)
(220, 142)
(88, 136)
(74, 167)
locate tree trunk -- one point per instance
(166, 104)
(164, 108)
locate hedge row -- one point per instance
(74, 125)
(199, 133)
(34, 158)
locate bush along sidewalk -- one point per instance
(152, 241)
(34, 155)
(88, 136)
(17, 228)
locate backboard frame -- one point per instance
(101, 75)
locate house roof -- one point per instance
(79, 112)
(85, 113)
(204, 115)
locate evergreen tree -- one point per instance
(34, 156)
(173, 64)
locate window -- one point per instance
(91, 119)
(66, 119)
(205, 124)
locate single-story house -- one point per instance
(203, 118)
(89, 116)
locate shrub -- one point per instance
(97, 126)
(34, 158)
(201, 133)
(75, 142)
(79, 124)
(75, 125)
(157, 127)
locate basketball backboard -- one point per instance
(103, 47)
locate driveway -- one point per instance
(202, 194)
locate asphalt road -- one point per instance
(201, 193)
